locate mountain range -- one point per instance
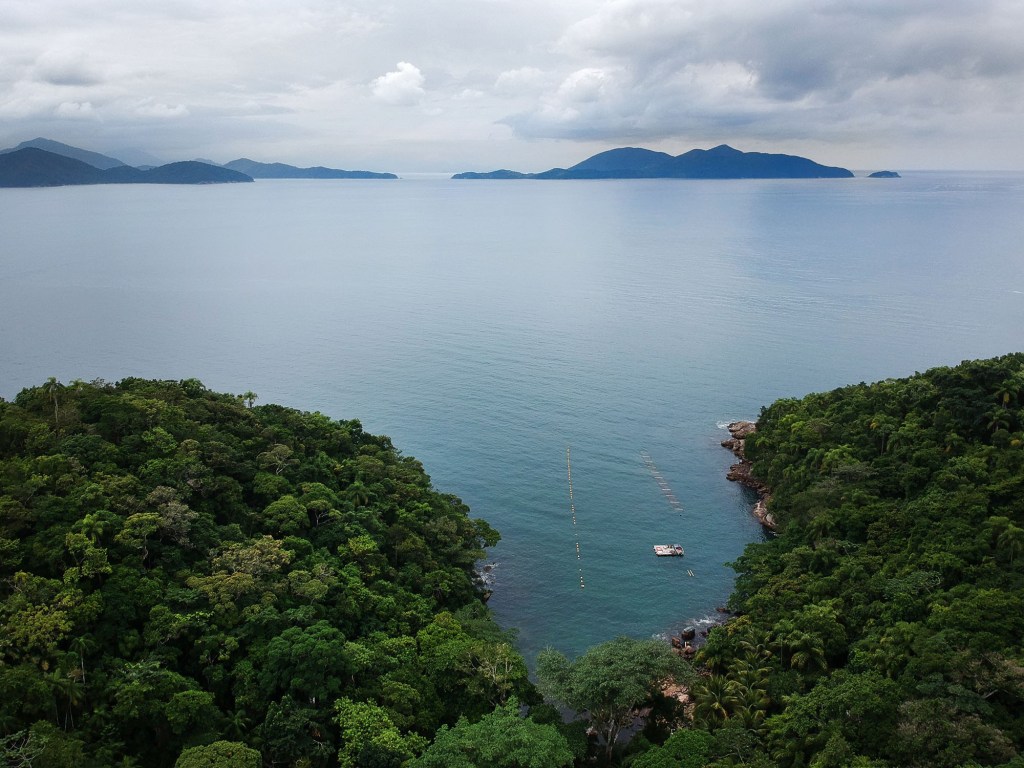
(721, 162)
(44, 163)
(33, 167)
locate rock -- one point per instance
(677, 643)
(735, 445)
(884, 175)
(761, 513)
(688, 634)
(742, 429)
(743, 472)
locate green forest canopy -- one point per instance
(178, 568)
(187, 576)
(883, 626)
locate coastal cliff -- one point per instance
(743, 471)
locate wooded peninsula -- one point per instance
(191, 579)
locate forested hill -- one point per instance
(33, 167)
(191, 579)
(721, 162)
(883, 626)
(179, 567)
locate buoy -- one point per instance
(572, 510)
(670, 497)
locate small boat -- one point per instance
(668, 550)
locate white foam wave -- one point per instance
(487, 572)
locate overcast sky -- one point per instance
(416, 85)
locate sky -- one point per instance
(457, 85)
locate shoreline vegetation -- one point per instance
(191, 579)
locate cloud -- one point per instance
(161, 111)
(75, 110)
(513, 82)
(403, 86)
(663, 68)
(70, 68)
(315, 80)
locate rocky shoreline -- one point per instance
(742, 472)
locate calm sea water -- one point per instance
(488, 326)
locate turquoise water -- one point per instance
(488, 326)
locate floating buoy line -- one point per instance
(572, 510)
(656, 474)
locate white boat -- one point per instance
(668, 550)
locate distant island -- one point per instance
(45, 163)
(283, 171)
(32, 167)
(884, 175)
(95, 159)
(721, 162)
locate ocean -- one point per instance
(491, 327)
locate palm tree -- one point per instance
(807, 651)
(997, 419)
(715, 700)
(749, 675)
(53, 389)
(237, 725)
(65, 684)
(820, 527)
(782, 631)
(93, 526)
(1011, 540)
(249, 397)
(82, 645)
(359, 494)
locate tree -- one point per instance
(685, 748)
(53, 389)
(80, 646)
(609, 682)
(308, 662)
(1011, 541)
(501, 739)
(807, 652)
(369, 739)
(19, 750)
(220, 754)
(715, 700)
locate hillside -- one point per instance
(283, 171)
(883, 626)
(721, 162)
(95, 159)
(32, 167)
(181, 567)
